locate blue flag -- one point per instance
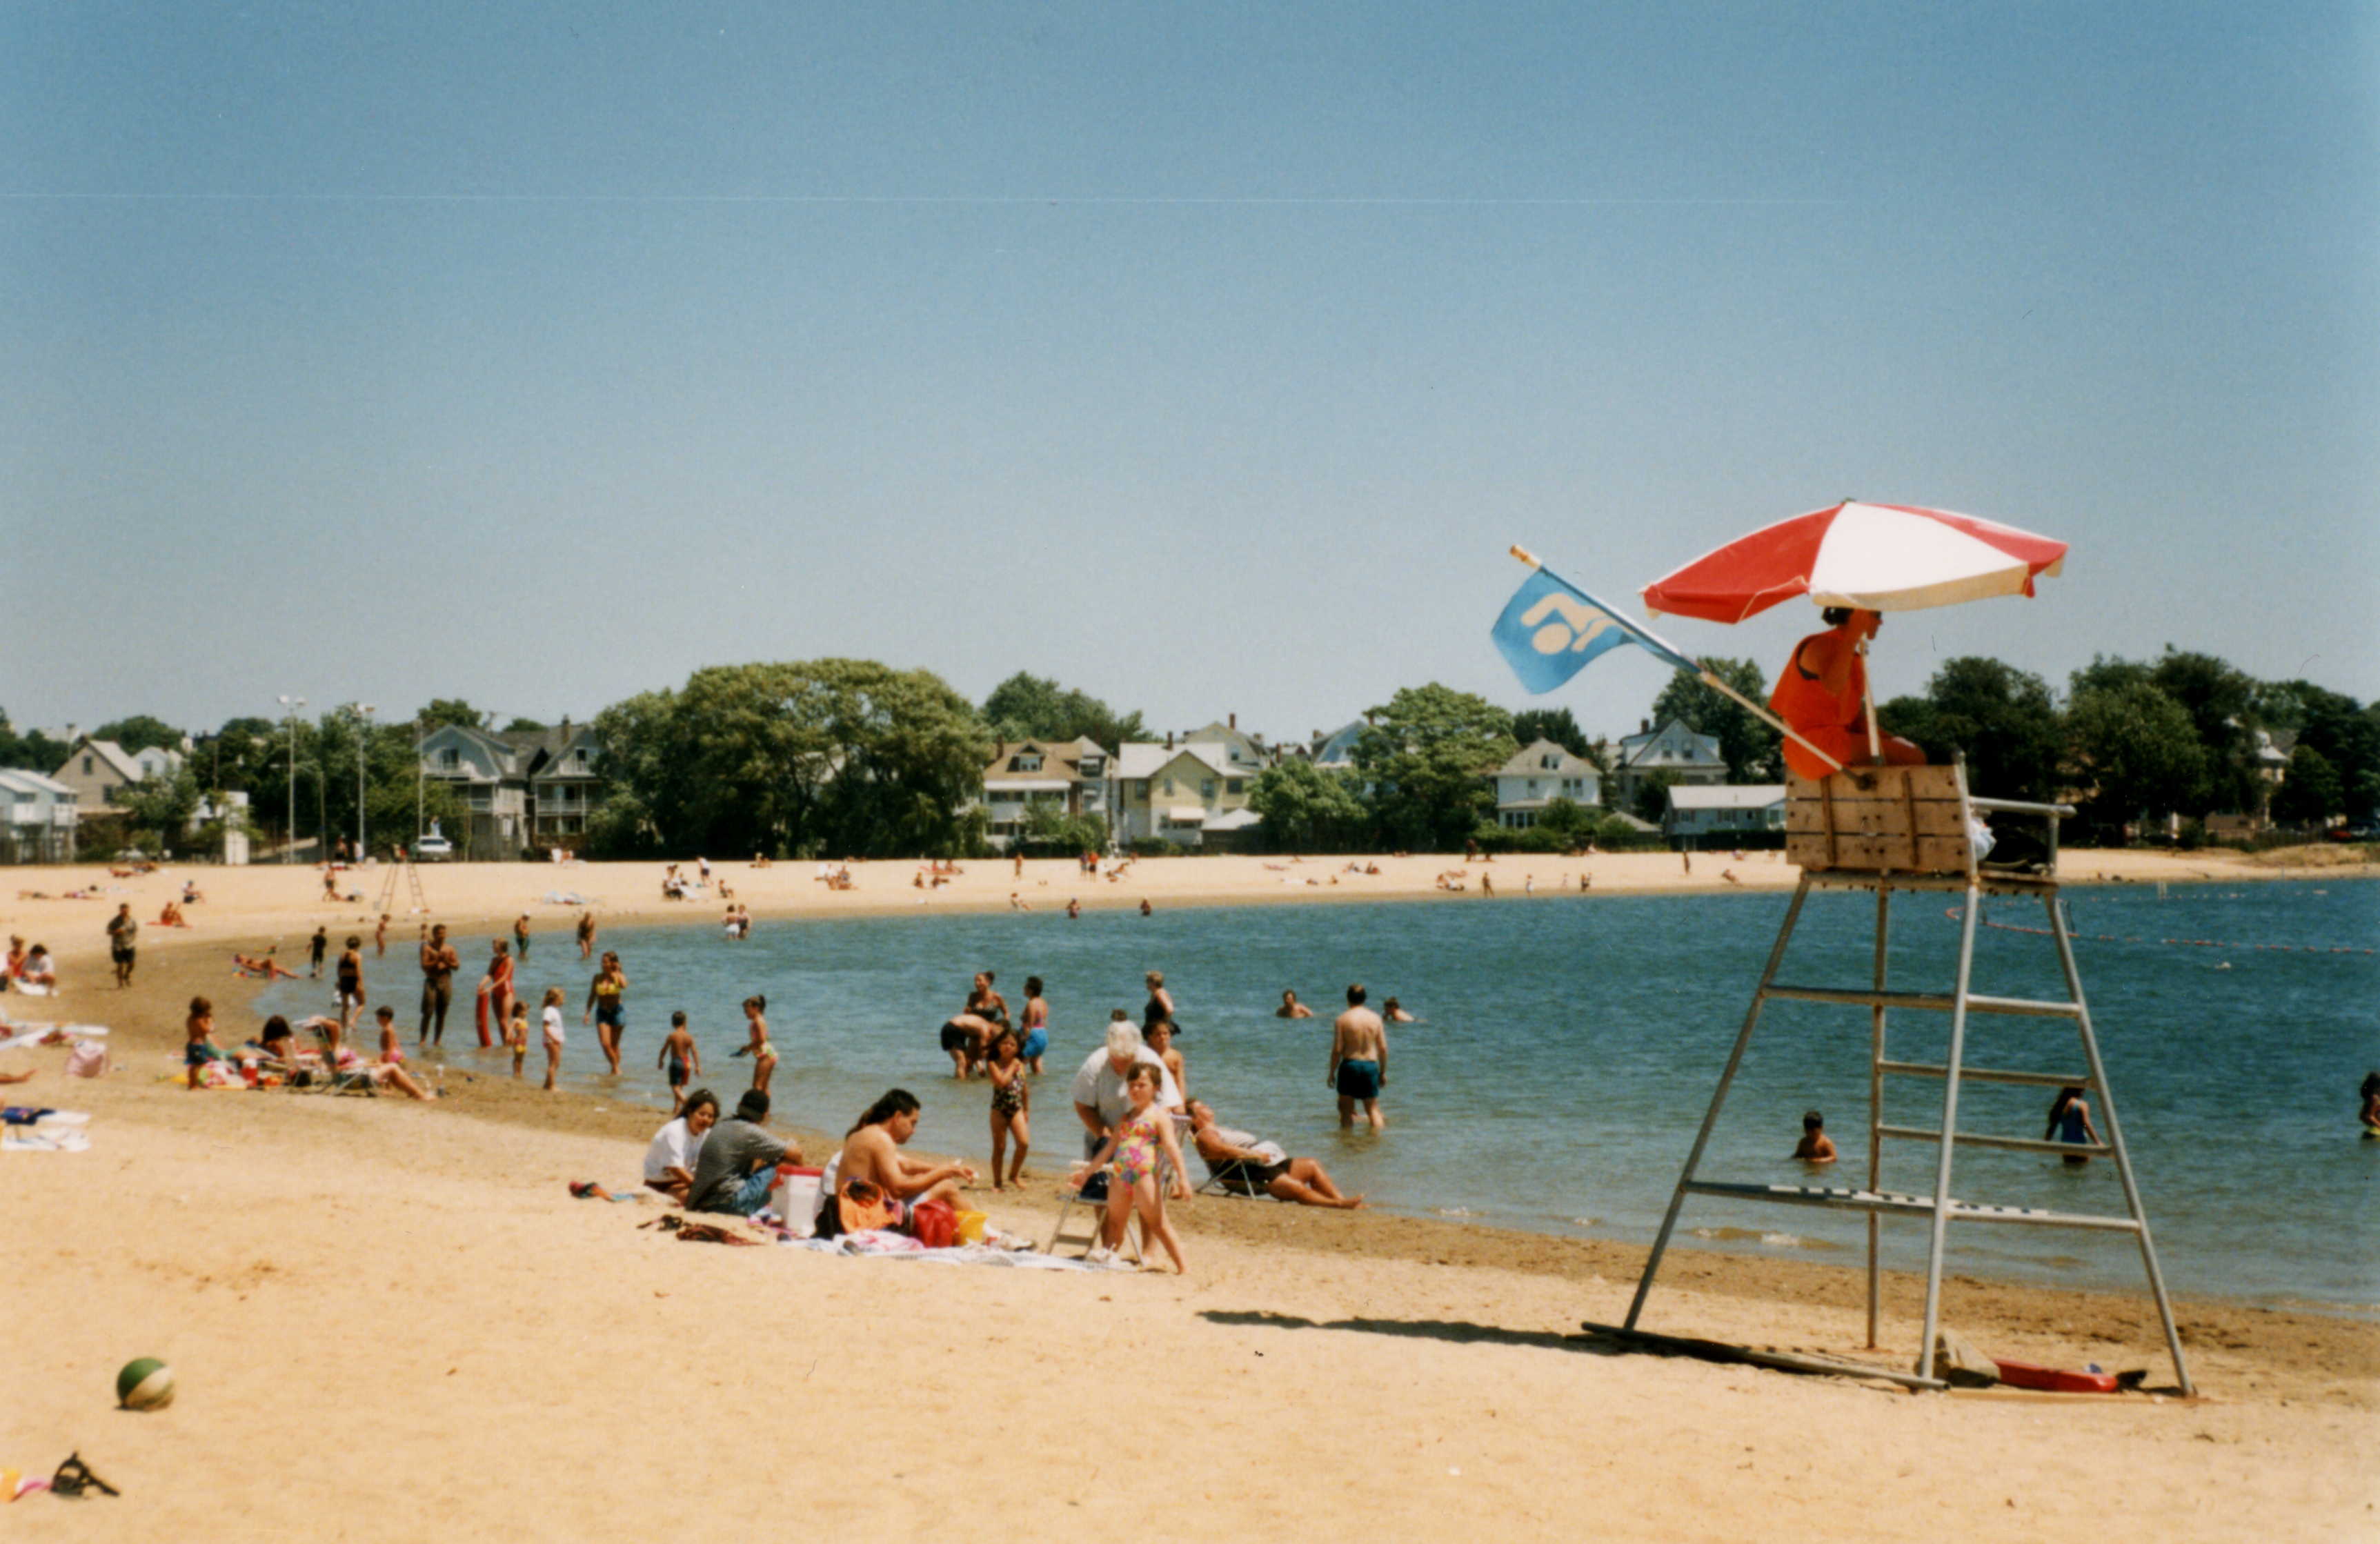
(1551, 628)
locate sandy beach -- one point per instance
(390, 1319)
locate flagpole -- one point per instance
(1708, 676)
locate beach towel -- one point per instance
(44, 1139)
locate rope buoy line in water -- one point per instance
(1953, 913)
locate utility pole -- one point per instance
(289, 705)
(363, 749)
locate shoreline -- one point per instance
(627, 1119)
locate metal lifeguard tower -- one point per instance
(1891, 829)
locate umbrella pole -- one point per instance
(1867, 705)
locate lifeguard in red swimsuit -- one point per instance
(1823, 694)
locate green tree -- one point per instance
(523, 726)
(1425, 756)
(2135, 749)
(440, 712)
(160, 808)
(1027, 707)
(32, 750)
(1309, 808)
(141, 732)
(1749, 745)
(1652, 798)
(2346, 732)
(2222, 703)
(2000, 718)
(1531, 724)
(845, 756)
(1048, 831)
(2310, 793)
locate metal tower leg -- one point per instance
(1951, 1063)
(1876, 1121)
(2057, 930)
(1718, 1099)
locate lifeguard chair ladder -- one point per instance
(1890, 829)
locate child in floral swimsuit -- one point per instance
(1135, 1147)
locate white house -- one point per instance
(1542, 773)
(1698, 811)
(1673, 748)
(37, 819)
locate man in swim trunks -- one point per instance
(1359, 1061)
(439, 963)
(122, 930)
(1249, 1167)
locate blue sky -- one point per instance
(1205, 358)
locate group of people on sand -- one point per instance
(275, 1053)
(29, 967)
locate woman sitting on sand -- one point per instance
(669, 1160)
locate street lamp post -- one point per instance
(363, 750)
(420, 733)
(289, 705)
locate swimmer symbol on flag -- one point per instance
(1551, 628)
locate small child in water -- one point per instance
(516, 1036)
(1815, 1146)
(680, 1059)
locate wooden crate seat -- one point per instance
(1879, 820)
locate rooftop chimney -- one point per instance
(1168, 745)
(1644, 727)
(1232, 720)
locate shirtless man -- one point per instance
(967, 1037)
(1291, 1007)
(873, 1152)
(439, 963)
(1359, 1061)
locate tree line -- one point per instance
(852, 757)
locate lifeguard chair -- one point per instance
(1890, 829)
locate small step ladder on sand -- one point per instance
(1887, 829)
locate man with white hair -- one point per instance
(1100, 1101)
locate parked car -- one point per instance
(2351, 833)
(433, 848)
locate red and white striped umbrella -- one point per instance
(1874, 556)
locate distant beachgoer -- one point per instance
(1074, 907)
(199, 1031)
(1160, 1007)
(380, 938)
(1822, 695)
(1012, 1108)
(983, 998)
(520, 937)
(123, 934)
(1134, 1157)
(605, 1003)
(497, 989)
(676, 1148)
(1035, 1025)
(585, 935)
(439, 963)
(1393, 1013)
(1018, 902)
(39, 969)
(1249, 1167)
(1487, 882)
(1687, 859)
(1291, 1007)
(739, 1162)
(263, 965)
(1815, 1146)
(15, 965)
(316, 947)
(388, 1049)
(351, 975)
(1020, 863)
(1359, 1061)
(1145, 908)
(2370, 1093)
(755, 1043)
(551, 1018)
(2070, 1121)
(1160, 1039)
(680, 1059)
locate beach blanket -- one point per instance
(566, 898)
(45, 1137)
(893, 1245)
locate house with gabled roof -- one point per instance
(1069, 776)
(1694, 758)
(97, 771)
(1540, 773)
(521, 787)
(1172, 792)
(37, 818)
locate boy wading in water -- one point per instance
(680, 1059)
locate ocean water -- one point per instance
(1568, 1048)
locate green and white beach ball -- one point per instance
(145, 1383)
